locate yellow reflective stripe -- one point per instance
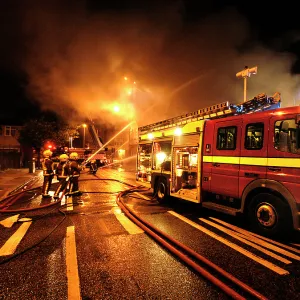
(226, 159)
(207, 158)
(284, 162)
(254, 161)
(222, 159)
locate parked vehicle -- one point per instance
(236, 159)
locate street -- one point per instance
(87, 248)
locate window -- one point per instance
(7, 130)
(226, 139)
(254, 136)
(286, 136)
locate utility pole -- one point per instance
(247, 72)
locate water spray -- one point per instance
(103, 146)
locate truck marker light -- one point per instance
(178, 131)
(150, 136)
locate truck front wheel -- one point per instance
(269, 215)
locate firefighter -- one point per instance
(48, 173)
(62, 173)
(74, 171)
(93, 166)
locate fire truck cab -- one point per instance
(236, 159)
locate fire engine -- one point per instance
(233, 158)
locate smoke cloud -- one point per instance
(76, 60)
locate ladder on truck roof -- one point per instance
(260, 102)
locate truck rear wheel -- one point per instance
(269, 215)
(161, 190)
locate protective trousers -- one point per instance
(46, 184)
(62, 184)
(74, 188)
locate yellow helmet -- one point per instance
(63, 157)
(74, 155)
(47, 153)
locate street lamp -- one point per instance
(247, 72)
(84, 126)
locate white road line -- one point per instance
(69, 203)
(9, 222)
(12, 243)
(260, 240)
(129, 226)
(277, 243)
(63, 200)
(143, 196)
(72, 266)
(241, 238)
(243, 251)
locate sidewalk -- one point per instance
(10, 179)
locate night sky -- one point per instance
(71, 56)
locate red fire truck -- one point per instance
(236, 159)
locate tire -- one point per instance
(161, 190)
(269, 215)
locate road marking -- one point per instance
(69, 203)
(12, 243)
(129, 226)
(243, 251)
(9, 222)
(277, 243)
(260, 240)
(72, 266)
(63, 199)
(143, 196)
(243, 239)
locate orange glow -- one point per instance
(125, 78)
(116, 108)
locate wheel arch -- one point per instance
(273, 187)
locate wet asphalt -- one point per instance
(116, 264)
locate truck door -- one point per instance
(226, 158)
(283, 153)
(254, 148)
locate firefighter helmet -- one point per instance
(63, 157)
(74, 155)
(47, 153)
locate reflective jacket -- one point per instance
(62, 170)
(47, 167)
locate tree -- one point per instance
(36, 133)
